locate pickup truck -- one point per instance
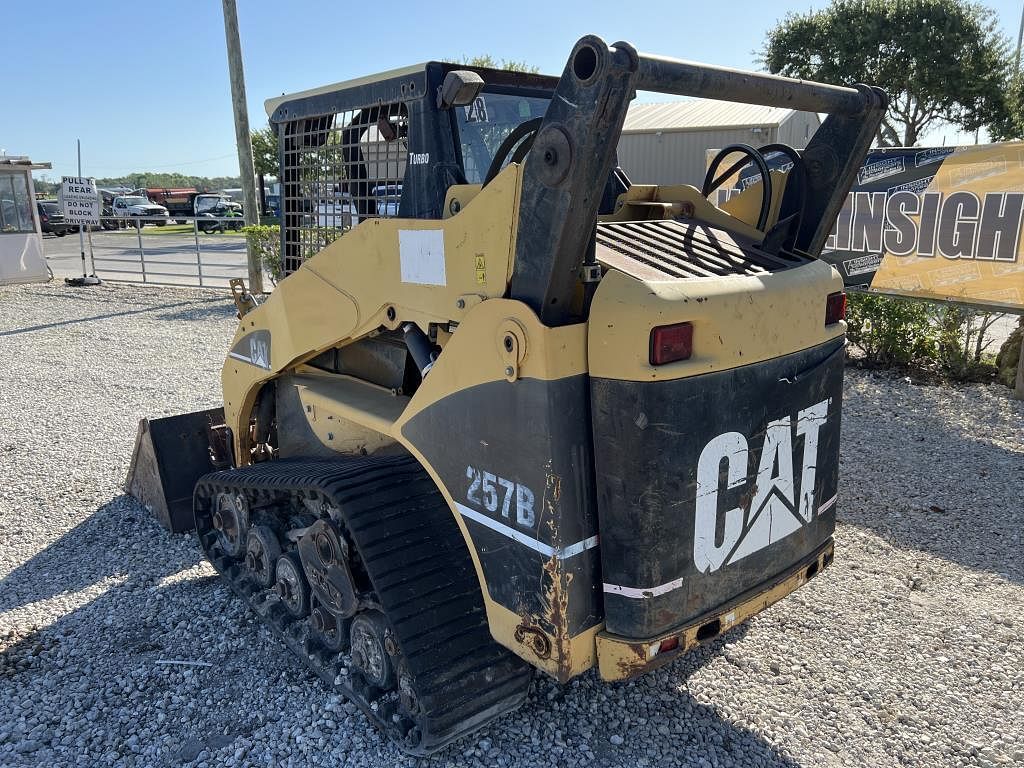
(139, 209)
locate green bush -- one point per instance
(1009, 355)
(266, 242)
(890, 331)
(921, 336)
(962, 344)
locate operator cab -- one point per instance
(383, 147)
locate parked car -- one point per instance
(389, 196)
(51, 218)
(138, 209)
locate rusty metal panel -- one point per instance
(621, 658)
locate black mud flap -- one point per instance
(170, 455)
(711, 485)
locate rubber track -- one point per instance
(430, 594)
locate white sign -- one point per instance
(79, 200)
(421, 253)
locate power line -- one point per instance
(107, 169)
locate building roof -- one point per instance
(19, 161)
(700, 114)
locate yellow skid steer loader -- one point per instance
(508, 410)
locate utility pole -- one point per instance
(1018, 390)
(242, 137)
(1020, 39)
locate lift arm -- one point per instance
(574, 150)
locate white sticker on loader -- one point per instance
(772, 511)
(421, 252)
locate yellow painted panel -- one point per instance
(737, 320)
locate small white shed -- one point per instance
(21, 239)
(667, 142)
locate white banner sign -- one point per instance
(79, 200)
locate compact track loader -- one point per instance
(508, 410)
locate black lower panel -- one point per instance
(709, 485)
(516, 458)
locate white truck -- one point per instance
(138, 209)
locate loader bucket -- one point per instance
(170, 455)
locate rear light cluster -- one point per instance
(835, 308)
(671, 343)
(668, 644)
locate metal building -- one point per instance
(667, 143)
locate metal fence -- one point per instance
(204, 252)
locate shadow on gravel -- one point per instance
(222, 310)
(651, 721)
(93, 551)
(924, 483)
(180, 663)
(126, 673)
(115, 662)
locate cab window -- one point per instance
(15, 204)
(485, 123)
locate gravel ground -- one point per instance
(908, 651)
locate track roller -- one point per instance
(231, 521)
(291, 585)
(329, 629)
(262, 550)
(368, 639)
(371, 554)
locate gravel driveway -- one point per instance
(908, 651)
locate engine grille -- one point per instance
(676, 249)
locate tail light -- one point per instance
(835, 308)
(671, 343)
(668, 644)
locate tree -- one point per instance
(490, 62)
(144, 179)
(1010, 125)
(265, 158)
(939, 60)
(44, 185)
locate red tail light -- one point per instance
(835, 308)
(671, 343)
(668, 644)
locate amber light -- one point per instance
(671, 343)
(835, 308)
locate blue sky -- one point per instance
(145, 85)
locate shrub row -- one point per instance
(947, 340)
